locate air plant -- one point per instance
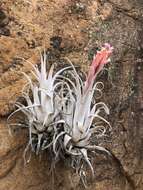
(61, 113)
(80, 114)
(40, 110)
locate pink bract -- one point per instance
(99, 60)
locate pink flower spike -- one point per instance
(108, 46)
(99, 60)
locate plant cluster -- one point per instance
(62, 114)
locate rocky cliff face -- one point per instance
(74, 29)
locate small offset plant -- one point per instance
(62, 115)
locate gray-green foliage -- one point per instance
(62, 116)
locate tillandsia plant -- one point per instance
(41, 110)
(62, 114)
(81, 130)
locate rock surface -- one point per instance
(74, 29)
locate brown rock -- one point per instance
(74, 29)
